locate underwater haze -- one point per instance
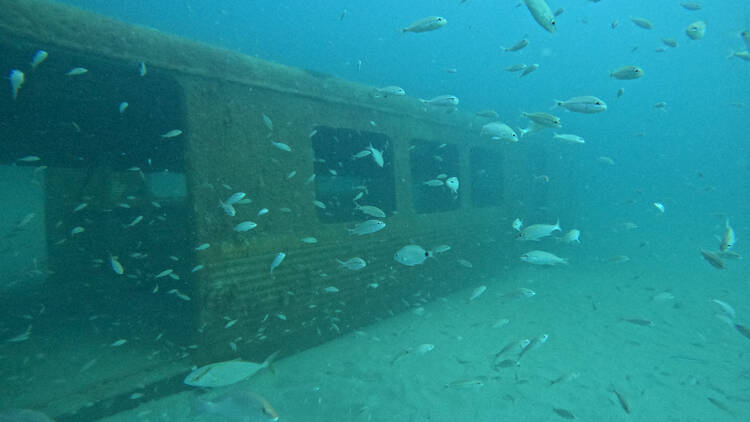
(615, 287)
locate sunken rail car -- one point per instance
(146, 263)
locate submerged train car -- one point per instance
(142, 144)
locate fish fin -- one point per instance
(268, 363)
(522, 131)
(558, 224)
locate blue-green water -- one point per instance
(690, 155)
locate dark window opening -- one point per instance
(486, 177)
(433, 167)
(345, 169)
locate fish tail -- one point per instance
(268, 363)
(558, 224)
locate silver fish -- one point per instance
(517, 46)
(696, 30)
(277, 261)
(499, 131)
(370, 210)
(353, 264)
(442, 101)
(585, 104)
(220, 374)
(542, 14)
(542, 258)
(411, 255)
(537, 231)
(429, 23)
(627, 73)
(237, 406)
(367, 227)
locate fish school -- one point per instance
(137, 153)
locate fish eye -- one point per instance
(553, 22)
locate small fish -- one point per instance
(197, 268)
(353, 264)
(713, 259)
(119, 343)
(237, 405)
(452, 184)
(467, 383)
(38, 58)
(535, 232)
(626, 73)
(391, 90)
(659, 206)
(517, 46)
(309, 240)
(377, 155)
(424, 348)
(262, 211)
(282, 146)
(267, 121)
(331, 289)
(319, 204)
(441, 249)
(434, 183)
(367, 227)
(639, 321)
(670, 42)
(172, 133)
(202, 246)
(16, 78)
(362, 154)
(620, 92)
(543, 119)
(499, 131)
(542, 14)
(29, 159)
(77, 71)
(745, 331)
(537, 257)
(490, 114)
(587, 104)
(277, 261)
(564, 413)
(77, 230)
(245, 226)
(534, 344)
(370, 210)
(135, 221)
(80, 206)
(571, 236)
(573, 139)
(429, 23)
(442, 101)
(517, 224)
(725, 308)
(729, 238)
(465, 263)
(623, 402)
(691, 5)
(696, 30)
(122, 107)
(642, 23)
(116, 266)
(515, 67)
(479, 291)
(142, 70)
(528, 69)
(411, 255)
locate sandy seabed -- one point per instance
(688, 366)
